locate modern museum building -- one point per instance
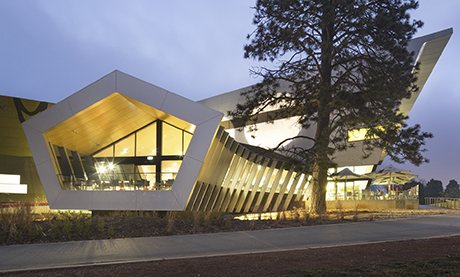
(121, 143)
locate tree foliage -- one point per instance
(346, 66)
(433, 188)
(452, 189)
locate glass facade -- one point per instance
(146, 141)
(147, 159)
(169, 171)
(125, 147)
(172, 141)
(348, 189)
(361, 134)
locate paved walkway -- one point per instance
(65, 254)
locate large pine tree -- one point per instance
(347, 67)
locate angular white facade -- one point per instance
(427, 50)
(88, 149)
(204, 120)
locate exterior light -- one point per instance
(111, 166)
(150, 158)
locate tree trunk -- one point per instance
(319, 183)
(322, 136)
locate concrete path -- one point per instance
(81, 253)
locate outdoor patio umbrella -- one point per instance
(345, 175)
(391, 175)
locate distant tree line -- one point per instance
(434, 188)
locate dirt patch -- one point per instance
(372, 257)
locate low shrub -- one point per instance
(171, 223)
(16, 223)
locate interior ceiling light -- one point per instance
(101, 169)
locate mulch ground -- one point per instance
(73, 227)
(290, 263)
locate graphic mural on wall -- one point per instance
(21, 109)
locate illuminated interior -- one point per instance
(361, 134)
(264, 135)
(101, 139)
(127, 156)
(348, 189)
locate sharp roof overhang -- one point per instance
(135, 99)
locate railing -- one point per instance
(116, 182)
(443, 202)
(370, 195)
(400, 196)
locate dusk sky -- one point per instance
(50, 49)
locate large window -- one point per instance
(347, 189)
(169, 170)
(350, 190)
(146, 141)
(172, 141)
(147, 159)
(105, 153)
(125, 147)
(357, 134)
(361, 134)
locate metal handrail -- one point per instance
(115, 181)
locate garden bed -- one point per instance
(21, 226)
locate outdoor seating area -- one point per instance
(88, 173)
(115, 184)
(385, 184)
(148, 158)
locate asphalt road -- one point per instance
(81, 253)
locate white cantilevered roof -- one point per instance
(427, 50)
(97, 115)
